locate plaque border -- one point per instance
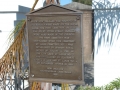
(50, 80)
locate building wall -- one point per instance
(106, 41)
(87, 36)
(87, 47)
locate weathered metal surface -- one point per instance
(55, 48)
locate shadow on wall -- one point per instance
(88, 75)
(106, 24)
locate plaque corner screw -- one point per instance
(29, 19)
(78, 18)
(79, 78)
(32, 75)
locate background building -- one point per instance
(12, 11)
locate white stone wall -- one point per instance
(6, 25)
(8, 14)
(106, 41)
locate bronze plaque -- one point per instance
(55, 48)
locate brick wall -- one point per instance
(87, 35)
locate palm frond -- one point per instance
(14, 32)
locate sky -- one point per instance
(63, 2)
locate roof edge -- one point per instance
(56, 6)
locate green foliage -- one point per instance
(87, 2)
(114, 85)
(89, 88)
(109, 87)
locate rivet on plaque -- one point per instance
(29, 19)
(78, 18)
(79, 78)
(32, 75)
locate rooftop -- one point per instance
(78, 6)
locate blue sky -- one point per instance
(63, 2)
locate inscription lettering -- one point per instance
(54, 42)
